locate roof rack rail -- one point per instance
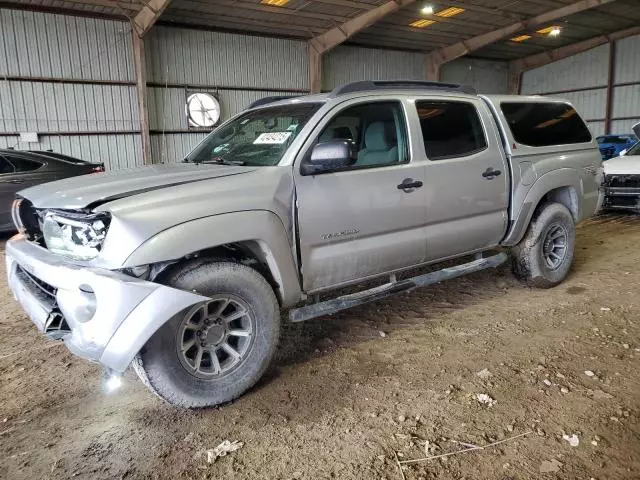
(267, 100)
(368, 85)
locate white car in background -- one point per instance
(622, 178)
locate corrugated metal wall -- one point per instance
(237, 69)
(485, 76)
(626, 99)
(197, 57)
(71, 80)
(586, 69)
(350, 64)
(582, 79)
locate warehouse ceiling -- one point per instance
(450, 22)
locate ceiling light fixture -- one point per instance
(275, 3)
(427, 10)
(421, 23)
(450, 12)
(521, 38)
(553, 31)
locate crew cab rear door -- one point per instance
(466, 172)
(368, 218)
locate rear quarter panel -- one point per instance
(536, 171)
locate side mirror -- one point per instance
(327, 156)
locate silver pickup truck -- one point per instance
(182, 270)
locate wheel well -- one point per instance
(249, 253)
(566, 196)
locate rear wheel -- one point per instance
(215, 351)
(543, 257)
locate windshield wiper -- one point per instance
(222, 161)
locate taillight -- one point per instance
(98, 169)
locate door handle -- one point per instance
(490, 173)
(409, 184)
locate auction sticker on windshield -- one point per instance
(274, 138)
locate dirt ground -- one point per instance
(349, 393)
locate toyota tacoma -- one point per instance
(182, 270)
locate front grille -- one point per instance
(46, 293)
(622, 181)
(56, 327)
(618, 201)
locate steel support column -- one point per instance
(141, 89)
(610, 82)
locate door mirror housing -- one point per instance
(328, 156)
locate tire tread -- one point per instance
(203, 271)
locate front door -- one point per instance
(360, 221)
(467, 177)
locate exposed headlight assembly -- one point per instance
(78, 235)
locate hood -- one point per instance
(627, 165)
(91, 190)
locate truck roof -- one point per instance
(367, 87)
(401, 87)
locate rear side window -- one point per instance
(541, 124)
(5, 167)
(450, 129)
(24, 165)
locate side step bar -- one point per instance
(329, 307)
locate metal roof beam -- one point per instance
(451, 52)
(549, 56)
(148, 14)
(337, 35)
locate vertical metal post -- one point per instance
(610, 83)
(141, 88)
(514, 79)
(315, 69)
(433, 69)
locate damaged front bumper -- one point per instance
(101, 315)
(622, 192)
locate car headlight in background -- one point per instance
(79, 237)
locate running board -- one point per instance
(329, 307)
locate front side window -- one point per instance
(541, 124)
(377, 131)
(450, 129)
(256, 138)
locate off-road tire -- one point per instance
(528, 260)
(158, 364)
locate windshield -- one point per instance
(635, 150)
(256, 138)
(615, 139)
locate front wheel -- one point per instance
(213, 352)
(543, 257)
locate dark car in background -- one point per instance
(22, 169)
(611, 145)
